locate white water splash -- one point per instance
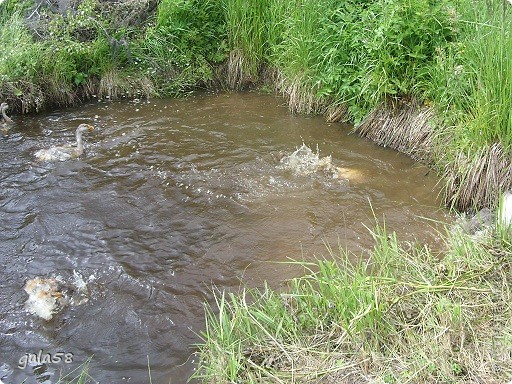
(303, 161)
(44, 296)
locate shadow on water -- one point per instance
(173, 197)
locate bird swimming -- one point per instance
(68, 151)
(49, 295)
(45, 297)
(5, 119)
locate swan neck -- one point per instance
(5, 117)
(79, 142)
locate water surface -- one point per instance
(172, 198)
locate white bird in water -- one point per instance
(67, 151)
(5, 119)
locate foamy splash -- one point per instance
(304, 161)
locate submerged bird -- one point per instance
(44, 297)
(47, 296)
(67, 151)
(5, 118)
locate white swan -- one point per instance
(5, 118)
(68, 151)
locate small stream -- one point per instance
(172, 198)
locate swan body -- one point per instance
(68, 151)
(5, 118)
(45, 297)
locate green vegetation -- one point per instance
(79, 375)
(402, 315)
(85, 52)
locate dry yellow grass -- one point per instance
(477, 181)
(405, 126)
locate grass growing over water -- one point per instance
(480, 149)
(402, 315)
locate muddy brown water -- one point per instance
(172, 198)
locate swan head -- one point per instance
(82, 128)
(4, 106)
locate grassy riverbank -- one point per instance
(401, 315)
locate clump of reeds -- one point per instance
(118, 84)
(247, 39)
(301, 98)
(476, 178)
(405, 126)
(477, 160)
(397, 316)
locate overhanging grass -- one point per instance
(400, 316)
(248, 39)
(476, 134)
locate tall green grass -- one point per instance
(186, 42)
(21, 55)
(356, 53)
(398, 316)
(474, 136)
(247, 38)
(490, 72)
